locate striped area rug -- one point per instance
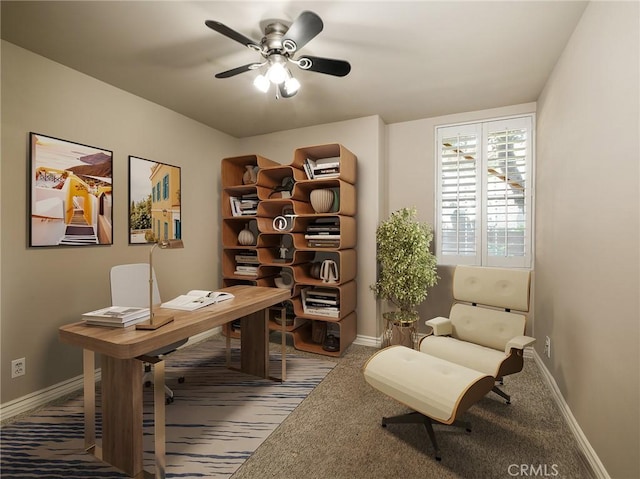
(218, 419)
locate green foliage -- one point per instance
(407, 268)
(149, 237)
(140, 218)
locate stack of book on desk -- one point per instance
(116, 316)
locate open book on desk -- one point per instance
(196, 299)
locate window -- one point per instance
(484, 193)
(165, 187)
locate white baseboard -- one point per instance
(368, 341)
(592, 459)
(44, 396)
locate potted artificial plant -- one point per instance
(407, 268)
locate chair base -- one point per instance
(417, 418)
(147, 380)
(499, 391)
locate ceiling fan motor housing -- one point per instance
(272, 40)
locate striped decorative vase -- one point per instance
(322, 200)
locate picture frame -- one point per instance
(155, 211)
(71, 200)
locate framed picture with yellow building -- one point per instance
(71, 200)
(154, 201)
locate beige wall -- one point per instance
(587, 243)
(44, 288)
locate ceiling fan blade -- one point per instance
(328, 66)
(230, 33)
(237, 71)
(303, 29)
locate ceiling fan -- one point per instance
(278, 47)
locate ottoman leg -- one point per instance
(409, 418)
(417, 418)
(432, 435)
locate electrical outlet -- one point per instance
(547, 346)
(18, 367)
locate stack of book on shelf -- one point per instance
(321, 301)
(245, 205)
(322, 168)
(116, 316)
(247, 263)
(323, 233)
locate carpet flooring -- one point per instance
(336, 434)
(219, 417)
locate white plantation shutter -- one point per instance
(459, 239)
(484, 176)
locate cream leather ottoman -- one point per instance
(436, 389)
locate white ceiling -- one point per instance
(409, 60)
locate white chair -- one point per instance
(130, 287)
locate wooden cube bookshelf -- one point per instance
(305, 256)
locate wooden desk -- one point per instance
(122, 373)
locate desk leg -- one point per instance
(89, 383)
(159, 418)
(254, 344)
(283, 354)
(122, 414)
(228, 348)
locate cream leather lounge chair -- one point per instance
(480, 342)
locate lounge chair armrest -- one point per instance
(441, 326)
(519, 342)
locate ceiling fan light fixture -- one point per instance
(262, 83)
(277, 73)
(291, 85)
